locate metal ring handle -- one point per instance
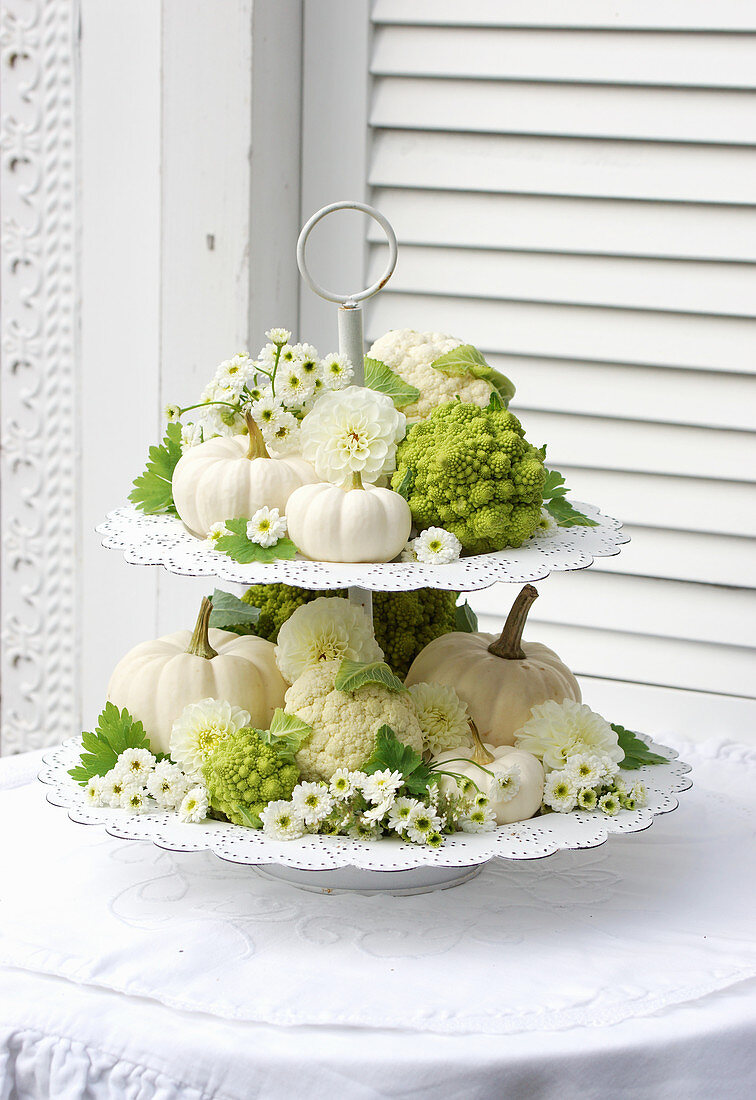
(347, 299)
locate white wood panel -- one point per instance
(683, 555)
(658, 114)
(696, 15)
(704, 60)
(725, 289)
(577, 332)
(563, 166)
(711, 400)
(706, 613)
(614, 444)
(540, 223)
(665, 662)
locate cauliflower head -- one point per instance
(345, 723)
(243, 775)
(471, 471)
(404, 622)
(410, 354)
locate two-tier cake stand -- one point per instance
(340, 863)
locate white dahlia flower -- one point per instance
(352, 431)
(557, 731)
(442, 716)
(327, 629)
(200, 727)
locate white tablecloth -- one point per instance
(628, 970)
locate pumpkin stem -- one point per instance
(480, 755)
(199, 646)
(509, 643)
(356, 481)
(257, 448)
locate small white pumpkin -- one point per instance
(231, 477)
(359, 524)
(501, 678)
(497, 759)
(157, 679)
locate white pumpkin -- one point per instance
(359, 524)
(231, 477)
(157, 679)
(498, 760)
(501, 678)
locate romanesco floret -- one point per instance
(243, 775)
(404, 622)
(411, 355)
(472, 471)
(345, 723)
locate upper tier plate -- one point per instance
(163, 540)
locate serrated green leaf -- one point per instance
(251, 821)
(637, 752)
(116, 731)
(229, 611)
(380, 377)
(392, 755)
(566, 514)
(287, 733)
(353, 675)
(153, 492)
(238, 547)
(404, 488)
(466, 621)
(467, 362)
(554, 485)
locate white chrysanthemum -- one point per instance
(587, 768)
(194, 805)
(556, 731)
(113, 785)
(94, 791)
(546, 527)
(363, 829)
(350, 431)
(266, 411)
(609, 803)
(435, 546)
(283, 436)
(200, 727)
(278, 335)
(266, 527)
(326, 629)
(408, 553)
(442, 716)
(211, 423)
(280, 821)
(191, 435)
(401, 811)
(481, 820)
(587, 798)
(233, 374)
(266, 360)
(434, 840)
(215, 532)
(134, 798)
(293, 386)
(309, 361)
(312, 801)
(376, 813)
(342, 785)
(172, 413)
(167, 784)
(136, 764)
(336, 371)
(382, 785)
(421, 822)
(505, 783)
(560, 791)
(639, 793)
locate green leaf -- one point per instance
(404, 488)
(382, 378)
(495, 403)
(116, 731)
(241, 549)
(153, 492)
(554, 485)
(252, 821)
(467, 362)
(353, 675)
(556, 504)
(392, 755)
(229, 611)
(466, 620)
(287, 733)
(637, 753)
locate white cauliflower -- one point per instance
(345, 723)
(410, 355)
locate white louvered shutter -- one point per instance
(574, 188)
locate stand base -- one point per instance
(346, 880)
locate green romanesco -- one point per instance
(345, 723)
(404, 622)
(243, 775)
(472, 472)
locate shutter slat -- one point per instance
(640, 114)
(723, 289)
(535, 223)
(601, 56)
(695, 15)
(682, 555)
(563, 166)
(576, 332)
